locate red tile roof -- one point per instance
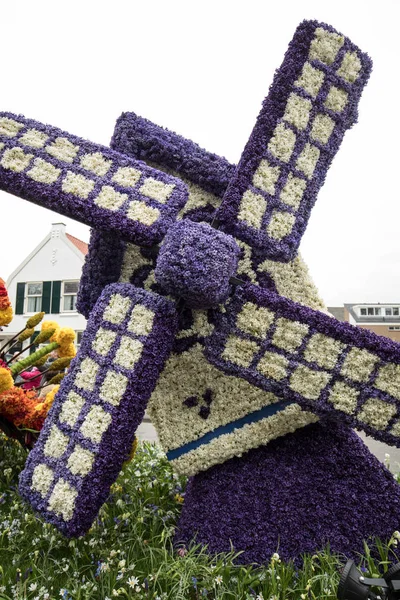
(82, 246)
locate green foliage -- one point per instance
(129, 551)
(32, 358)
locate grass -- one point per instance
(129, 551)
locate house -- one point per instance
(382, 319)
(47, 280)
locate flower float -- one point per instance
(201, 310)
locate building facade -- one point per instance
(47, 280)
(382, 319)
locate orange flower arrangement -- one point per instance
(20, 407)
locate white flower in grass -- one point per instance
(133, 582)
(275, 556)
(218, 579)
(32, 587)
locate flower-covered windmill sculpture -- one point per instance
(202, 312)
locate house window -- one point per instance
(70, 291)
(377, 311)
(396, 328)
(370, 311)
(363, 312)
(395, 311)
(388, 312)
(34, 293)
(79, 335)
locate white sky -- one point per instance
(202, 69)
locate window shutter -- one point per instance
(46, 296)
(55, 298)
(19, 304)
(32, 339)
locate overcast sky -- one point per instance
(202, 69)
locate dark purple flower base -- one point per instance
(317, 486)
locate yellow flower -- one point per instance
(65, 336)
(6, 316)
(51, 325)
(50, 396)
(6, 380)
(68, 350)
(179, 498)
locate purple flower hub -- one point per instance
(142, 139)
(90, 428)
(312, 101)
(304, 356)
(87, 182)
(196, 263)
(319, 485)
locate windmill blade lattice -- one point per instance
(90, 429)
(87, 182)
(311, 103)
(304, 356)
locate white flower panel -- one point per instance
(96, 423)
(96, 163)
(117, 309)
(110, 198)
(62, 499)
(34, 138)
(44, 172)
(63, 149)
(78, 185)
(140, 211)
(80, 461)
(141, 321)
(127, 176)
(86, 376)
(42, 478)
(113, 387)
(56, 443)
(15, 159)
(71, 409)
(103, 341)
(157, 190)
(128, 353)
(9, 127)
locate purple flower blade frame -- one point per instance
(90, 428)
(87, 182)
(333, 369)
(312, 102)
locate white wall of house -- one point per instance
(56, 258)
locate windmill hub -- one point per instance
(196, 262)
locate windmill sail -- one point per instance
(311, 103)
(87, 182)
(90, 428)
(331, 368)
